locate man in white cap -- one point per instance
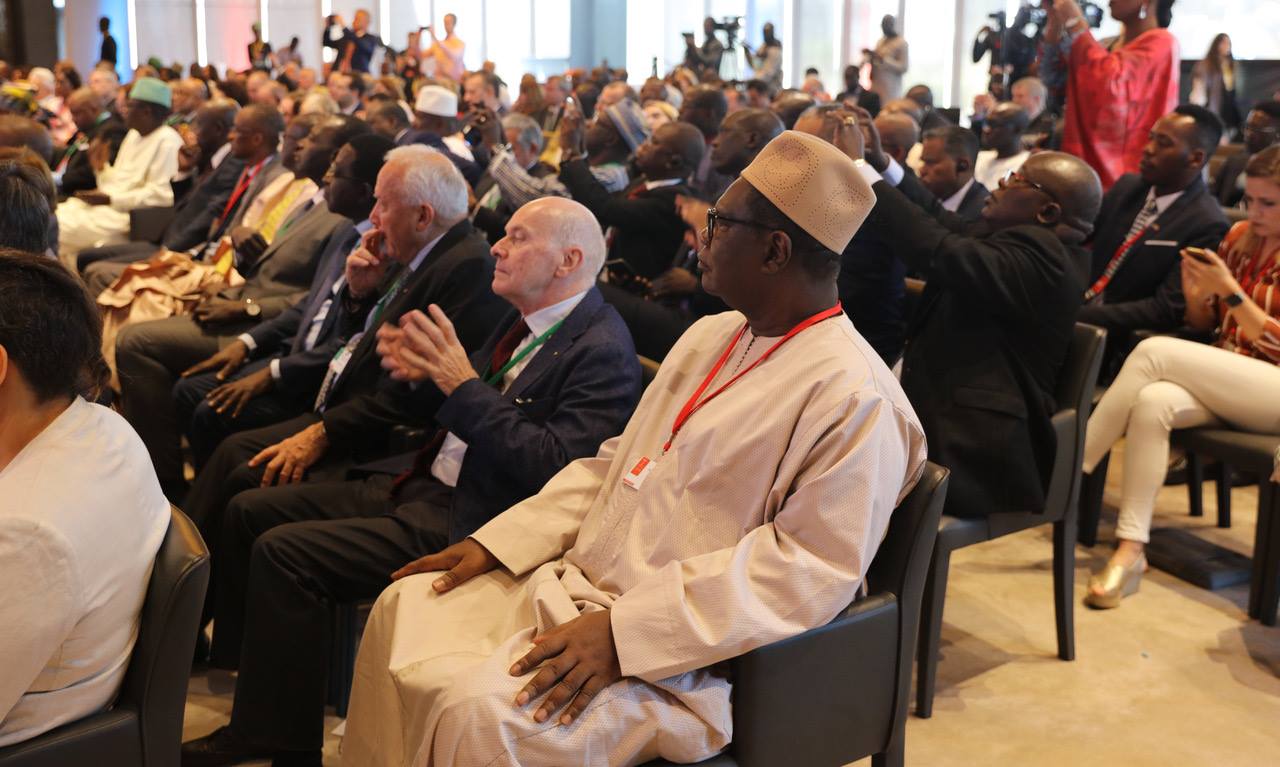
(139, 177)
(436, 111)
(588, 618)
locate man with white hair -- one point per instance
(420, 251)
(557, 377)
(702, 532)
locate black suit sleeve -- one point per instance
(392, 403)
(1002, 275)
(912, 189)
(649, 213)
(597, 398)
(279, 330)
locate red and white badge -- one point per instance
(638, 473)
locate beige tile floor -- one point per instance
(1175, 676)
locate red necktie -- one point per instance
(507, 346)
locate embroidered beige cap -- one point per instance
(813, 184)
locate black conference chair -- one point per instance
(839, 693)
(1074, 397)
(1254, 453)
(144, 726)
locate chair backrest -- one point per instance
(1079, 373)
(901, 566)
(156, 682)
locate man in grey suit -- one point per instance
(151, 355)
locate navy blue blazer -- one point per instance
(579, 390)
(301, 371)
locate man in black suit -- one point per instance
(705, 107)
(647, 227)
(421, 251)
(1146, 220)
(930, 118)
(287, 356)
(72, 170)
(947, 158)
(1261, 130)
(989, 337)
(152, 355)
(107, 52)
(502, 435)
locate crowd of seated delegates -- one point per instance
(352, 259)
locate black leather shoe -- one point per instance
(221, 747)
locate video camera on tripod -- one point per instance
(1013, 47)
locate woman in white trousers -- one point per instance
(1169, 383)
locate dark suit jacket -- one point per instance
(1225, 190)
(282, 274)
(470, 169)
(871, 289)
(364, 402)
(196, 205)
(79, 175)
(1146, 292)
(984, 350)
(649, 230)
(302, 370)
(576, 392)
(971, 205)
(493, 222)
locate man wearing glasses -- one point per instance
(992, 328)
(1261, 130)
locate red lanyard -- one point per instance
(246, 179)
(694, 405)
(1113, 265)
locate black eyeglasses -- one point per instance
(713, 215)
(1014, 177)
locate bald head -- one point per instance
(789, 107)
(742, 135)
(904, 106)
(553, 250)
(1004, 127)
(898, 133)
(674, 151)
(1052, 189)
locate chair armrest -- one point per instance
(823, 697)
(108, 737)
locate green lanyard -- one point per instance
(525, 352)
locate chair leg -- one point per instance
(1269, 596)
(935, 595)
(1195, 484)
(1091, 490)
(1222, 479)
(894, 756)
(1064, 574)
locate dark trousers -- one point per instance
(124, 253)
(296, 572)
(206, 428)
(150, 356)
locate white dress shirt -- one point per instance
(81, 519)
(989, 168)
(952, 203)
(448, 462)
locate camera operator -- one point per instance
(1116, 88)
(766, 61)
(707, 57)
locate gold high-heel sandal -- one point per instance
(1116, 582)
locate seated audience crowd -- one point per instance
(394, 340)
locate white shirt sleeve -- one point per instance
(40, 604)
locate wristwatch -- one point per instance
(252, 308)
(1234, 300)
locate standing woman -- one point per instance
(1170, 383)
(1213, 84)
(1116, 88)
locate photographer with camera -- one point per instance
(707, 57)
(766, 61)
(1116, 88)
(355, 45)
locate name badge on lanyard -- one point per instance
(636, 476)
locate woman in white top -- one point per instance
(81, 511)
